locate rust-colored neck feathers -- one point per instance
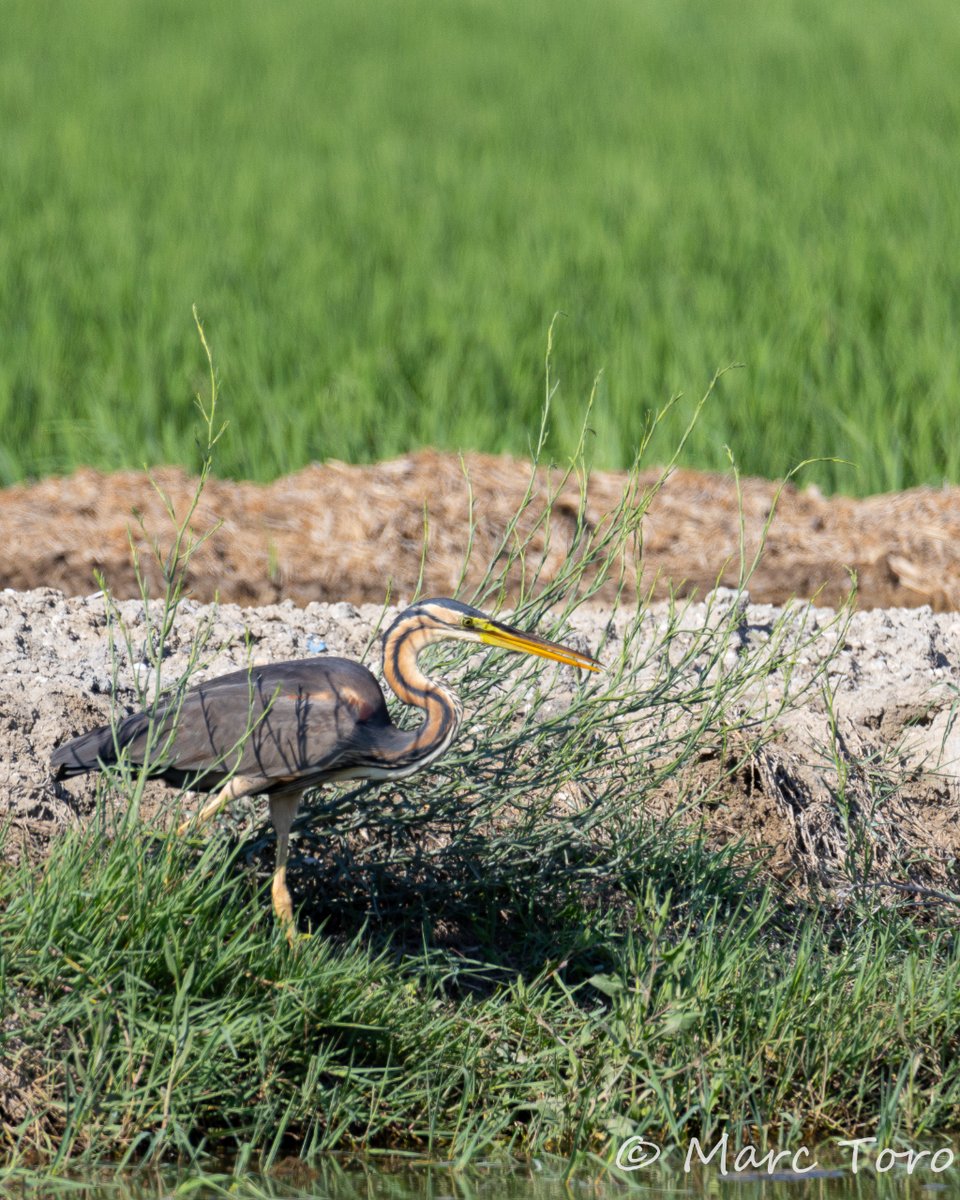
(443, 710)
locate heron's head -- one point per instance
(443, 618)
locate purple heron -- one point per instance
(283, 729)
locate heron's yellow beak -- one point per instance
(495, 634)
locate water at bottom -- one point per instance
(830, 1173)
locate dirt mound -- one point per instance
(339, 532)
(862, 786)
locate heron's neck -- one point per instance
(442, 709)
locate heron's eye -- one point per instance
(467, 622)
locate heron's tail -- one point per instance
(84, 753)
(95, 749)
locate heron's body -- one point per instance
(282, 729)
(290, 724)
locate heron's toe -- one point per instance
(295, 939)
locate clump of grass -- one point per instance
(173, 1020)
(509, 953)
(541, 803)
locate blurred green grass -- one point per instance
(378, 208)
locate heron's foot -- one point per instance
(295, 939)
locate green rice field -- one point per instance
(378, 208)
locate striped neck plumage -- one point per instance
(443, 710)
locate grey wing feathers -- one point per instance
(275, 723)
(85, 753)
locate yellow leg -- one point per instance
(283, 809)
(238, 786)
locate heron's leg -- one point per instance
(238, 786)
(283, 809)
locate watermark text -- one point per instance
(638, 1152)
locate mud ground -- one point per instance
(336, 532)
(856, 784)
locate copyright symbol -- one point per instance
(637, 1152)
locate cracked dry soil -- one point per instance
(889, 727)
